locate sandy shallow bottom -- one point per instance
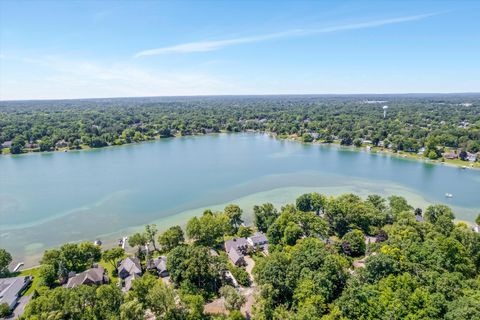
(30, 253)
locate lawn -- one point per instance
(36, 279)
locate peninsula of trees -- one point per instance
(433, 126)
(328, 258)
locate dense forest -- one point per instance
(436, 123)
(328, 258)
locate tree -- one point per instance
(318, 202)
(264, 216)
(138, 240)
(109, 298)
(132, 310)
(171, 238)
(356, 243)
(47, 274)
(17, 145)
(5, 260)
(113, 255)
(307, 137)
(150, 233)
(463, 155)
(209, 229)
(477, 220)
(379, 266)
(4, 310)
(304, 202)
(46, 144)
(234, 214)
(292, 233)
(195, 267)
(357, 143)
(233, 299)
(244, 232)
(160, 299)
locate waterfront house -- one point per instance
(237, 248)
(472, 157)
(129, 267)
(159, 265)
(258, 240)
(93, 276)
(7, 144)
(236, 257)
(450, 155)
(12, 288)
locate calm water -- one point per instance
(48, 199)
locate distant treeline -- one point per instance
(434, 122)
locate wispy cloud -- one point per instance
(204, 46)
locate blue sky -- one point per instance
(85, 49)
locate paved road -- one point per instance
(22, 303)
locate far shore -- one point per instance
(404, 155)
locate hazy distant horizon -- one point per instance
(413, 94)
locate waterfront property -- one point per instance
(170, 180)
(159, 265)
(12, 288)
(129, 269)
(238, 248)
(92, 276)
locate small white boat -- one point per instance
(464, 167)
(448, 195)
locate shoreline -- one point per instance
(363, 148)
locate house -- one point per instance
(258, 240)
(7, 144)
(476, 229)
(93, 276)
(418, 218)
(239, 244)
(11, 289)
(128, 282)
(160, 265)
(472, 157)
(61, 144)
(450, 155)
(236, 257)
(128, 267)
(237, 248)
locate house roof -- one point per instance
(234, 255)
(129, 281)
(258, 238)
(131, 265)
(95, 275)
(159, 263)
(235, 243)
(10, 288)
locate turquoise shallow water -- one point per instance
(51, 198)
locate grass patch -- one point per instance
(34, 272)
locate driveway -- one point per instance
(22, 303)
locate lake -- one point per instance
(47, 199)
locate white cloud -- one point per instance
(87, 79)
(204, 46)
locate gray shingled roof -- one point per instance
(10, 289)
(235, 243)
(234, 256)
(131, 265)
(95, 275)
(258, 238)
(159, 263)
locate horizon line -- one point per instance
(250, 95)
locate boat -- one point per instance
(464, 167)
(448, 195)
